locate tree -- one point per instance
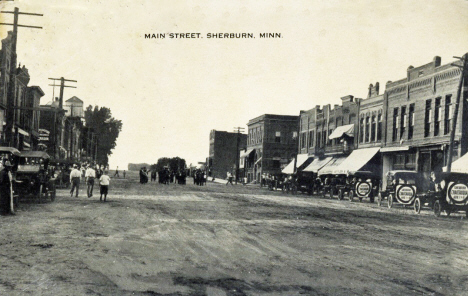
(106, 128)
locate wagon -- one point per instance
(8, 194)
(403, 187)
(33, 178)
(454, 194)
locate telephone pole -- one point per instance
(239, 129)
(60, 109)
(464, 59)
(12, 83)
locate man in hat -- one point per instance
(5, 186)
(90, 175)
(75, 176)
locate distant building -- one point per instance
(224, 152)
(271, 144)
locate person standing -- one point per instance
(229, 178)
(90, 175)
(117, 172)
(75, 176)
(6, 187)
(124, 174)
(104, 182)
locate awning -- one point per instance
(342, 130)
(331, 166)
(394, 149)
(301, 158)
(247, 153)
(356, 160)
(317, 164)
(460, 165)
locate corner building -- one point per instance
(271, 144)
(223, 152)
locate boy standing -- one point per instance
(104, 182)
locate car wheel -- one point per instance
(390, 201)
(417, 205)
(437, 208)
(350, 195)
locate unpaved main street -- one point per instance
(154, 239)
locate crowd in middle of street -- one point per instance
(164, 176)
(90, 173)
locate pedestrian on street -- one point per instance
(75, 176)
(117, 172)
(229, 178)
(90, 176)
(104, 182)
(124, 174)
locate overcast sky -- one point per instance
(170, 93)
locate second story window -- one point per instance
(278, 137)
(379, 127)
(373, 128)
(367, 128)
(403, 122)
(311, 139)
(428, 118)
(448, 114)
(319, 139)
(303, 140)
(361, 128)
(395, 125)
(411, 122)
(437, 111)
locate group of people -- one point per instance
(91, 173)
(199, 177)
(164, 176)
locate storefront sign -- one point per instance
(457, 192)
(405, 193)
(363, 188)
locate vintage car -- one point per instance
(360, 184)
(454, 194)
(60, 168)
(402, 187)
(331, 184)
(32, 176)
(8, 195)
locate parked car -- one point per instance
(360, 184)
(454, 194)
(32, 176)
(402, 187)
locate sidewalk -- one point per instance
(224, 181)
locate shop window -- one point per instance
(374, 124)
(437, 111)
(427, 118)
(395, 124)
(411, 122)
(448, 114)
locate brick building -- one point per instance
(419, 111)
(224, 151)
(271, 144)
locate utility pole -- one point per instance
(60, 126)
(239, 129)
(464, 59)
(12, 82)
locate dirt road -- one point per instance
(216, 240)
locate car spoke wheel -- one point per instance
(437, 208)
(417, 205)
(390, 201)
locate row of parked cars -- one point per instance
(24, 174)
(447, 192)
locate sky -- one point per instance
(169, 93)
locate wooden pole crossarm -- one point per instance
(24, 26)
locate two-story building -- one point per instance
(224, 152)
(271, 144)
